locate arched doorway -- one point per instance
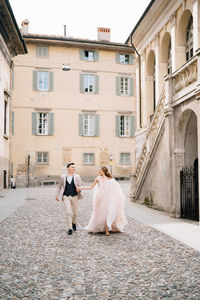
(189, 173)
(151, 84)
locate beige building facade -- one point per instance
(11, 44)
(85, 115)
(167, 40)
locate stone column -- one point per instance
(173, 42)
(157, 67)
(132, 187)
(143, 72)
(137, 95)
(196, 25)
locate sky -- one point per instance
(81, 17)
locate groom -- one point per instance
(70, 183)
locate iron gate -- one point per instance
(189, 193)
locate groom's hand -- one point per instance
(78, 190)
(57, 198)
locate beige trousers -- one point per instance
(71, 209)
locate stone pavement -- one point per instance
(40, 261)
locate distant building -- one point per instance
(11, 44)
(85, 115)
(167, 39)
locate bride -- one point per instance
(108, 205)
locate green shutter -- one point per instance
(81, 83)
(131, 59)
(117, 85)
(81, 54)
(35, 87)
(39, 51)
(131, 87)
(51, 124)
(13, 121)
(34, 123)
(132, 126)
(96, 84)
(45, 51)
(117, 58)
(97, 125)
(80, 124)
(96, 55)
(117, 124)
(50, 81)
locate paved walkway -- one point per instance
(40, 261)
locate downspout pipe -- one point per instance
(140, 89)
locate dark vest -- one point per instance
(70, 189)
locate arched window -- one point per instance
(189, 39)
(169, 59)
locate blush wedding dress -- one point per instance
(108, 207)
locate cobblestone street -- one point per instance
(40, 261)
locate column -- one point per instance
(137, 95)
(173, 43)
(143, 85)
(157, 67)
(196, 25)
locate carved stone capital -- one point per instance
(173, 20)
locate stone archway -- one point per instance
(187, 141)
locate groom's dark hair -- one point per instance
(70, 164)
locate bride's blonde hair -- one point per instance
(105, 170)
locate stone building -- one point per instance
(11, 44)
(167, 42)
(85, 115)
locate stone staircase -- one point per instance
(150, 142)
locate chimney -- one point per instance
(24, 29)
(103, 34)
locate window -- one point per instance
(42, 127)
(88, 83)
(125, 159)
(42, 157)
(126, 59)
(42, 51)
(88, 158)
(88, 55)
(42, 81)
(42, 123)
(124, 86)
(5, 117)
(88, 124)
(189, 39)
(125, 126)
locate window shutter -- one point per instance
(96, 55)
(81, 54)
(50, 74)
(39, 51)
(13, 121)
(131, 59)
(117, 85)
(117, 124)
(34, 123)
(81, 124)
(132, 126)
(117, 58)
(81, 83)
(96, 84)
(35, 87)
(45, 51)
(96, 125)
(51, 124)
(131, 87)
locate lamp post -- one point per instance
(111, 162)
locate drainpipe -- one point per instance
(140, 101)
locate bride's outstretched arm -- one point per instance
(89, 187)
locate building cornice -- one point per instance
(10, 31)
(51, 39)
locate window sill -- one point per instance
(88, 164)
(42, 164)
(6, 136)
